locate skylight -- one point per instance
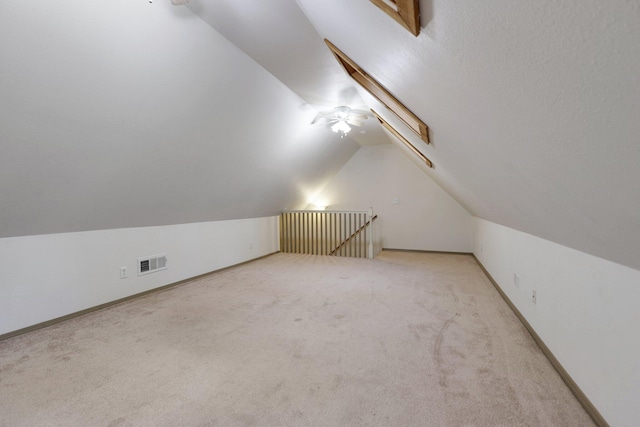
(379, 92)
(402, 139)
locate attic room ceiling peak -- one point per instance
(278, 35)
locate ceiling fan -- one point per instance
(340, 118)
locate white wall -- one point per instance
(47, 276)
(425, 217)
(120, 114)
(586, 312)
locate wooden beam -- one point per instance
(380, 93)
(402, 139)
(405, 12)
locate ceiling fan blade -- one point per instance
(355, 122)
(315, 119)
(358, 117)
(324, 121)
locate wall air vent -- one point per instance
(151, 264)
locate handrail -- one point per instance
(322, 211)
(344, 242)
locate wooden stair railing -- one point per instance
(333, 252)
(335, 233)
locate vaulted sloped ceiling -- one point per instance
(122, 113)
(534, 108)
(278, 36)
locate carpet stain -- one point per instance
(456, 300)
(116, 422)
(421, 304)
(483, 372)
(327, 303)
(275, 389)
(337, 380)
(437, 350)
(314, 389)
(418, 330)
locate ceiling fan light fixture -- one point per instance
(342, 128)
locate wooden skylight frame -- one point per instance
(402, 139)
(405, 12)
(380, 93)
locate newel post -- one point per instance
(370, 233)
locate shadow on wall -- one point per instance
(426, 13)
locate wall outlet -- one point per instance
(395, 201)
(516, 280)
(123, 272)
(534, 298)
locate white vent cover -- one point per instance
(151, 264)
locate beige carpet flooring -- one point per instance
(407, 339)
